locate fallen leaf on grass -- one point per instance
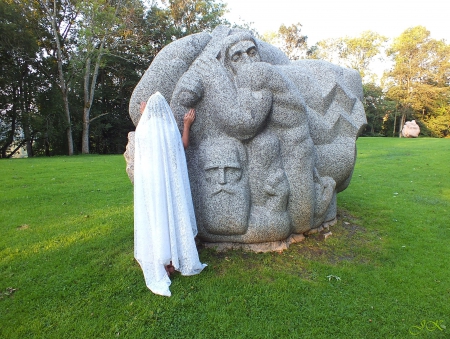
(9, 292)
(333, 277)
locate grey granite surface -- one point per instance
(273, 140)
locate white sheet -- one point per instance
(164, 220)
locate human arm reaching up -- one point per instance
(142, 107)
(188, 120)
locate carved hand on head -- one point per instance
(190, 89)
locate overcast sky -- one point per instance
(322, 19)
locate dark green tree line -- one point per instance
(69, 67)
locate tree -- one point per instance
(379, 110)
(61, 16)
(20, 81)
(290, 40)
(419, 79)
(193, 16)
(293, 42)
(359, 52)
(352, 52)
(327, 50)
(103, 26)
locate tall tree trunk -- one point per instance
(89, 91)
(52, 14)
(69, 123)
(10, 138)
(86, 109)
(28, 138)
(402, 123)
(47, 143)
(30, 148)
(395, 122)
(26, 115)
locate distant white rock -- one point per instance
(411, 129)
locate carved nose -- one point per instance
(246, 58)
(222, 178)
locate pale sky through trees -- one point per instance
(322, 19)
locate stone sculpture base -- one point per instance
(273, 246)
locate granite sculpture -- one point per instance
(410, 129)
(273, 140)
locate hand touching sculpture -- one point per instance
(142, 107)
(188, 120)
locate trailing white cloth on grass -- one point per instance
(164, 220)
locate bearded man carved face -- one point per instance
(224, 188)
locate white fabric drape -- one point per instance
(164, 220)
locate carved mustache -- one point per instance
(219, 189)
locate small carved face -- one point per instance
(241, 53)
(223, 175)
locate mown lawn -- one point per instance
(67, 267)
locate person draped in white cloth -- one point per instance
(164, 220)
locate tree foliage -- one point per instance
(294, 43)
(20, 80)
(379, 111)
(352, 52)
(69, 67)
(192, 16)
(420, 78)
(290, 40)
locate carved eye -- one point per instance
(212, 174)
(236, 56)
(252, 52)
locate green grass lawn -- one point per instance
(67, 267)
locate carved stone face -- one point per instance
(224, 191)
(241, 53)
(223, 173)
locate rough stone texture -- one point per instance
(129, 156)
(274, 246)
(411, 129)
(273, 140)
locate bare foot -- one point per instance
(169, 269)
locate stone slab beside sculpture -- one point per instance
(410, 129)
(273, 140)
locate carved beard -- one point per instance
(225, 208)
